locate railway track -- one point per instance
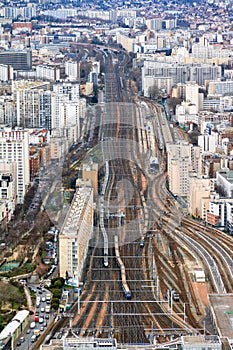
(131, 214)
(123, 317)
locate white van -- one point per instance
(33, 338)
(33, 325)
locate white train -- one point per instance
(104, 233)
(125, 286)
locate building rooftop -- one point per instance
(228, 175)
(201, 339)
(222, 308)
(90, 166)
(75, 214)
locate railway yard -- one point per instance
(139, 280)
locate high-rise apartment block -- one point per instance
(72, 69)
(26, 95)
(45, 72)
(182, 159)
(154, 23)
(180, 73)
(19, 60)
(199, 187)
(76, 232)
(14, 149)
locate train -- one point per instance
(105, 236)
(121, 83)
(125, 287)
(104, 233)
(146, 215)
(160, 138)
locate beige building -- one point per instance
(158, 84)
(14, 148)
(199, 188)
(128, 41)
(58, 147)
(76, 232)
(192, 95)
(182, 158)
(179, 165)
(90, 171)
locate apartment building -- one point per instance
(179, 165)
(45, 116)
(154, 23)
(65, 109)
(210, 51)
(71, 89)
(180, 73)
(65, 116)
(182, 159)
(208, 143)
(159, 83)
(14, 145)
(220, 212)
(128, 41)
(224, 180)
(19, 60)
(76, 232)
(8, 111)
(6, 72)
(24, 12)
(199, 187)
(51, 73)
(26, 95)
(220, 87)
(192, 95)
(72, 70)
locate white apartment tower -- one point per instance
(72, 70)
(26, 95)
(182, 158)
(71, 89)
(65, 110)
(192, 94)
(14, 148)
(51, 73)
(45, 110)
(27, 104)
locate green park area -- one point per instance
(12, 299)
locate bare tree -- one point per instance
(173, 102)
(154, 92)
